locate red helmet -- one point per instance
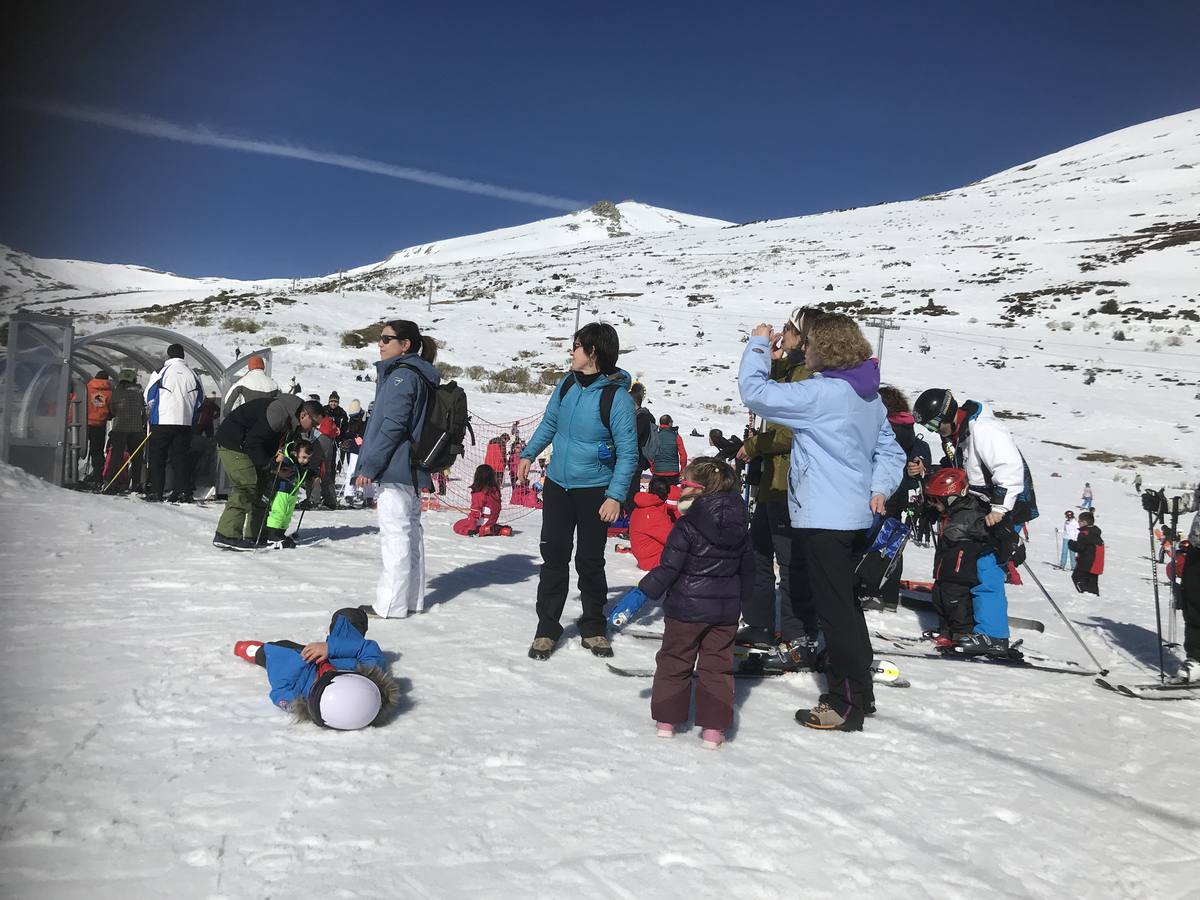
(946, 483)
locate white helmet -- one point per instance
(348, 702)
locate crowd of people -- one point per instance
(835, 458)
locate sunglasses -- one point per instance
(388, 338)
(576, 346)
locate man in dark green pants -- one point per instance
(249, 443)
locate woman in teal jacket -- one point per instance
(590, 420)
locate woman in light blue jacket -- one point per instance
(845, 462)
(590, 420)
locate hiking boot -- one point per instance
(824, 717)
(599, 646)
(541, 648)
(757, 636)
(664, 730)
(227, 543)
(868, 710)
(712, 738)
(977, 644)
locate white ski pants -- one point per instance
(401, 588)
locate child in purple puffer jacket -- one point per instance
(705, 571)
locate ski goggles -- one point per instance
(933, 424)
(691, 484)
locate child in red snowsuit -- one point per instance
(650, 523)
(485, 506)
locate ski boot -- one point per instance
(941, 639)
(1189, 672)
(275, 539)
(756, 637)
(794, 656)
(976, 644)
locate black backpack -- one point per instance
(447, 423)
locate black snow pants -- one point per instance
(563, 514)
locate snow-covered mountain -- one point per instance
(603, 221)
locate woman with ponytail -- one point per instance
(404, 378)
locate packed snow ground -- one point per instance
(143, 759)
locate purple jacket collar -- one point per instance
(864, 377)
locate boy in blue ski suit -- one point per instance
(340, 682)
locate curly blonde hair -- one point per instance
(836, 342)
(715, 474)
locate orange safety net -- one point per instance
(498, 446)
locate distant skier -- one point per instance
(974, 440)
(665, 450)
(1137, 483)
(1089, 560)
(1085, 502)
(340, 682)
(1070, 531)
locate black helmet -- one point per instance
(933, 407)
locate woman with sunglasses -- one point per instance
(844, 463)
(591, 422)
(405, 376)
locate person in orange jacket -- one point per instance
(650, 523)
(99, 397)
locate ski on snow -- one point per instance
(883, 672)
(1042, 664)
(1165, 690)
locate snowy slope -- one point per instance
(602, 222)
(144, 760)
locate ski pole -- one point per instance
(1162, 668)
(274, 491)
(128, 460)
(1066, 621)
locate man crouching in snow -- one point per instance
(340, 682)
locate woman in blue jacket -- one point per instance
(845, 462)
(405, 377)
(590, 420)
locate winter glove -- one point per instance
(627, 607)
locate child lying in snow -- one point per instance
(339, 682)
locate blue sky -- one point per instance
(739, 111)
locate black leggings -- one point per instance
(354, 616)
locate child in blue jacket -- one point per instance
(340, 682)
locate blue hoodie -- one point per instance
(292, 677)
(574, 426)
(401, 402)
(843, 449)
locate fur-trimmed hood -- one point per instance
(389, 694)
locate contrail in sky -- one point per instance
(206, 137)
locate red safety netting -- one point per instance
(498, 446)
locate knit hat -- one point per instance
(127, 375)
(333, 395)
(355, 407)
(255, 362)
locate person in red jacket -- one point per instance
(1089, 558)
(99, 396)
(485, 506)
(650, 523)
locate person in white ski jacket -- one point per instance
(173, 398)
(254, 385)
(1070, 532)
